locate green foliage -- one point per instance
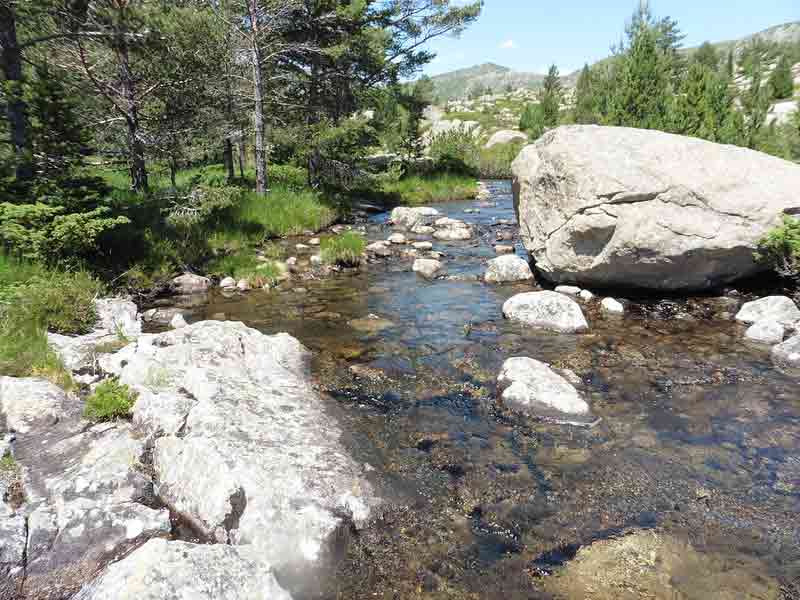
(552, 95)
(283, 212)
(707, 56)
(781, 80)
(587, 109)
(780, 248)
(456, 151)
(246, 265)
(496, 161)
(442, 187)
(344, 250)
(532, 121)
(704, 106)
(110, 401)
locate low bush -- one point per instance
(344, 250)
(780, 248)
(110, 400)
(495, 162)
(456, 151)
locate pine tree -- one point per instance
(707, 56)
(552, 95)
(781, 81)
(755, 104)
(702, 104)
(532, 121)
(586, 100)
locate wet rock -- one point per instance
(227, 282)
(657, 566)
(423, 230)
(621, 207)
(532, 387)
(612, 306)
(448, 229)
(189, 283)
(397, 238)
(509, 268)
(501, 249)
(766, 332)
(162, 570)
(178, 321)
(586, 295)
(274, 472)
(405, 217)
(546, 310)
(471, 211)
(28, 403)
(422, 246)
(788, 353)
(772, 308)
(427, 267)
(379, 249)
(118, 321)
(570, 290)
(504, 236)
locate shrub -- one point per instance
(496, 161)
(111, 400)
(456, 151)
(282, 212)
(345, 249)
(780, 248)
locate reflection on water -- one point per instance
(699, 439)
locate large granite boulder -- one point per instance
(505, 136)
(28, 403)
(610, 206)
(162, 570)
(788, 353)
(244, 447)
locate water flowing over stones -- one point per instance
(614, 207)
(532, 387)
(546, 310)
(274, 474)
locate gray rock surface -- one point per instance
(788, 353)
(779, 309)
(274, 473)
(505, 136)
(404, 217)
(427, 267)
(546, 310)
(506, 269)
(177, 321)
(451, 230)
(612, 306)
(189, 283)
(569, 290)
(162, 570)
(531, 386)
(28, 403)
(766, 332)
(611, 206)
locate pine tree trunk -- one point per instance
(15, 106)
(241, 157)
(258, 93)
(173, 172)
(227, 159)
(138, 168)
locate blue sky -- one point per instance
(529, 35)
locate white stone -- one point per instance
(189, 283)
(508, 268)
(772, 308)
(586, 295)
(178, 321)
(610, 305)
(546, 310)
(766, 332)
(411, 217)
(788, 353)
(505, 136)
(570, 290)
(315, 241)
(427, 267)
(531, 386)
(397, 238)
(28, 403)
(422, 246)
(502, 249)
(316, 259)
(228, 282)
(243, 285)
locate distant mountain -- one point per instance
(459, 84)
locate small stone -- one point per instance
(302, 247)
(508, 268)
(788, 353)
(314, 241)
(612, 306)
(178, 321)
(316, 259)
(422, 246)
(227, 282)
(766, 332)
(189, 283)
(570, 290)
(427, 267)
(243, 285)
(397, 238)
(503, 249)
(586, 295)
(546, 310)
(423, 230)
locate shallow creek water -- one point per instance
(699, 439)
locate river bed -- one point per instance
(689, 486)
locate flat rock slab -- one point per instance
(28, 403)
(162, 570)
(256, 458)
(546, 310)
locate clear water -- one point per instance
(699, 439)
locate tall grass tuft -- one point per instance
(345, 249)
(284, 211)
(417, 190)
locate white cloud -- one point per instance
(508, 45)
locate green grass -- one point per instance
(111, 400)
(418, 190)
(34, 300)
(345, 249)
(8, 464)
(245, 265)
(284, 211)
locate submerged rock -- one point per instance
(766, 332)
(779, 309)
(162, 570)
(274, 473)
(502, 249)
(546, 310)
(508, 268)
(427, 267)
(405, 217)
(620, 207)
(788, 353)
(532, 387)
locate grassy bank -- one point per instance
(417, 190)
